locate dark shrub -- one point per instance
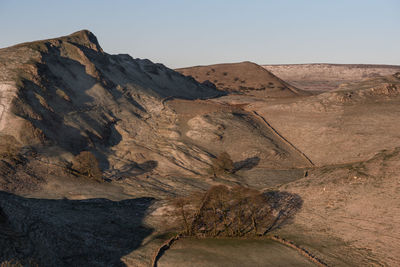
(222, 164)
(223, 211)
(86, 164)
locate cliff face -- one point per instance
(328, 76)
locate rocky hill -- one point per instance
(69, 87)
(67, 94)
(328, 76)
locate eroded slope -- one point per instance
(351, 212)
(340, 126)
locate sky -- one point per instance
(181, 33)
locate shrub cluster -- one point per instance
(222, 164)
(86, 164)
(223, 211)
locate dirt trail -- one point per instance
(283, 138)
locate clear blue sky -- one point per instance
(182, 33)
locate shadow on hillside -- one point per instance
(285, 205)
(132, 170)
(246, 164)
(93, 232)
(77, 122)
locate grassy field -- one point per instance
(231, 252)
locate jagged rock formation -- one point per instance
(328, 76)
(68, 93)
(245, 78)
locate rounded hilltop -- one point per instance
(244, 78)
